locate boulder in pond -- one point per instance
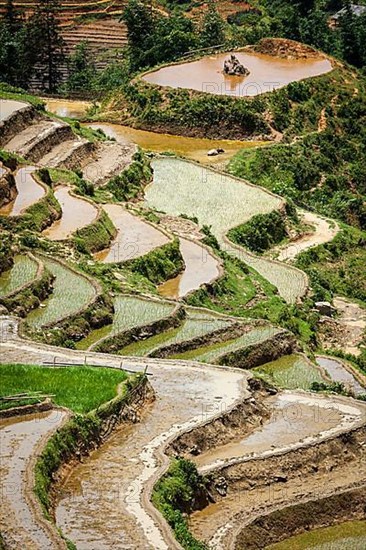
(233, 67)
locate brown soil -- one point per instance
(286, 49)
(256, 487)
(239, 421)
(300, 518)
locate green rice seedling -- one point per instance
(211, 353)
(290, 372)
(80, 389)
(22, 272)
(71, 292)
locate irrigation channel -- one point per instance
(98, 507)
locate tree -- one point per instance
(81, 68)
(45, 37)
(10, 44)
(212, 32)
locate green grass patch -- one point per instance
(175, 494)
(351, 534)
(18, 94)
(290, 372)
(80, 389)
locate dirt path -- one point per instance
(21, 439)
(352, 318)
(324, 231)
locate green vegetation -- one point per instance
(71, 292)
(191, 328)
(337, 268)
(41, 214)
(175, 494)
(351, 534)
(160, 264)
(95, 236)
(291, 372)
(132, 181)
(80, 389)
(261, 233)
(25, 299)
(23, 271)
(79, 435)
(213, 353)
(323, 171)
(31, 46)
(129, 312)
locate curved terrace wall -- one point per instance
(28, 296)
(112, 344)
(300, 518)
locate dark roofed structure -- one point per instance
(356, 9)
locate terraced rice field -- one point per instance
(350, 535)
(290, 372)
(71, 292)
(216, 199)
(69, 221)
(222, 202)
(339, 373)
(193, 327)
(135, 237)
(22, 272)
(201, 267)
(211, 353)
(28, 192)
(129, 312)
(8, 107)
(193, 148)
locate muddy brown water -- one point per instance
(267, 73)
(28, 192)
(69, 108)
(8, 107)
(338, 373)
(193, 148)
(76, 213)
(19, 438)
(201, 267)
(290, 422)
(99, 506)
(135, 237)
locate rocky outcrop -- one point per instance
(233, 67)
(286, 49)
(8, 188)
(283, 343)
